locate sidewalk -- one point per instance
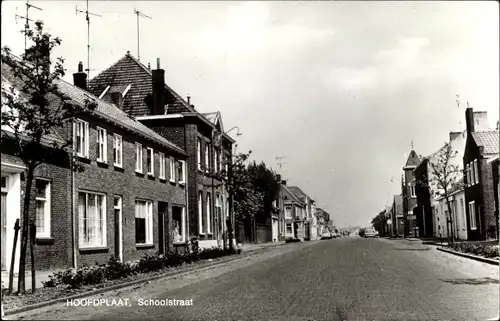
(41, 276)
(249, 247)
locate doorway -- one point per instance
(4, 223)
(117, 205)
(162, 213)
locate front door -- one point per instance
(4, 231)
(118, 228)
(162, 217)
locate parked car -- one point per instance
(370, 232)
(326, 235)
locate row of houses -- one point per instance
(145, 188)
(298, 216)
(474, 198)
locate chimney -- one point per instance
(116, 98)
(80, 78)
(158, 90)
(454, 135)
(469, 120)
(481, 121)
(283, 182)
(189, 100)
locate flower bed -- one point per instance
(481, 249)
(88, 278)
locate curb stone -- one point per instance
(209, 265)
(470, 256)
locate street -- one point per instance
(350, 278)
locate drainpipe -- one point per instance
(73, 212)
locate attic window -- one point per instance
(126, 90)
(104, 92)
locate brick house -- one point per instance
(294, 213)
(322, 218)
(427, 214)
(310, 224)
(409, 194)
(479, 179)
(397, 216)
(143, 94)
(124, 202)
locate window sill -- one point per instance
(162, 179)
(172, 182)
(93, 248)
(118, 166)
(182, 183)
(44, 240)
(151, 175)
(139, 172)
(145, 246)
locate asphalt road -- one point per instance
(342, 279)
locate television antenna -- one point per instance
(87, 14)
(27, 19)
(280, 162)
(139, 14)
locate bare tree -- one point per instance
(33, 109)
(446, 177)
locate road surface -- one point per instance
(349, 278)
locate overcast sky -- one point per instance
(339, 88)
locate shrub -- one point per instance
(117, 270)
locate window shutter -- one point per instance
(105, 148)
(74, 135)
(86, 137)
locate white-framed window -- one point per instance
(198, 150)
(143, 222)
(43, 207)
(218, 207)
(172, 169)
(207, 156)
(102, 145)
(226, 165)
(288, 212)
(289, 228)
(216, 160)
(412, 190)
(81, 138)
(209, 214)
(181, 172)
(92, 219)
(467, 172)
(472, 174)
(201, 217)
(150, 161)
(179, 222)
(117, 207)
(117, 150)
(138, 157)
(472, 215)
(476, 172)
(162, 165)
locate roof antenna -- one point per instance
(412, 144)
(26, 25)
(139, 14)
(87, 13)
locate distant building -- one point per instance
(409, 195)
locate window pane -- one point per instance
(41, 187)
(40, 216)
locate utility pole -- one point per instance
(139, 14)
(87, 13)
(27, 19)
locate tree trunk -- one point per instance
(24, 230)
(452, 236)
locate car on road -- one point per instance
(326, 235)
(370, 232)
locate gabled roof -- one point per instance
(300, 194)
(130, 71)
(114, 114)
(413, 159)
(291, 195)
(106, 111)
(488, 139)
(215, 118)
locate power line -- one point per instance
(279, 161)
(87, 13)
(26, 25)
(139, 14)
